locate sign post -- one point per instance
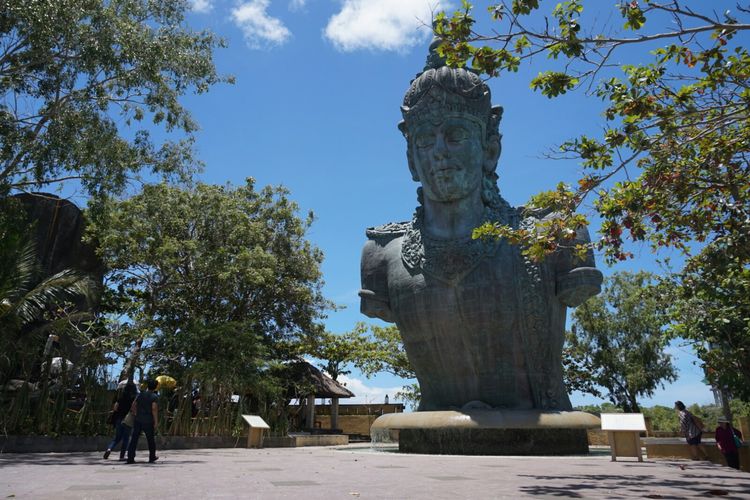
(624, 433)
(255, 432)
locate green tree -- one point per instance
(340, 351)
(385, 354)
(670, 166)
(213, 281)
(711, 309)
(619, 335)
(78, 76)
(371, 349)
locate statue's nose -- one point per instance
(440, 149)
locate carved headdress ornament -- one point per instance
(440, 90)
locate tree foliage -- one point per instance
(671, 165)
(338, 352)
(369, 348)
(217, 280)
(77, 77)
(618, 335)
(31, 309)
(711, 309)
(386, 352)
(665, 419)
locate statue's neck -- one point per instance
(451, 220)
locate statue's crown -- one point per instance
(439, 90)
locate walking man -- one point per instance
(146, 410)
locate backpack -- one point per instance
(698, 422)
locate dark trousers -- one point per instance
(148, 430)
(122, 433)
(733, 459)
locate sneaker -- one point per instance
(106, 454)
(152, 460)
(130, 462)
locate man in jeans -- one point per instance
(146, 411)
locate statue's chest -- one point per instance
(483, 295)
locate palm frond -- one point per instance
(21, 277)
(67, 285)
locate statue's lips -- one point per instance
(448, 169)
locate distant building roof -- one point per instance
(325, 386)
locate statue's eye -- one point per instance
(456, 134)
(424, 140)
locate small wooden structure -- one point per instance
(255, 432)
(323, 386)
(624, 434)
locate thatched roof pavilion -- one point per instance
(324, 387)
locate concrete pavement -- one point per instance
(357, 472)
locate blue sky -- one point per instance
(315, 108)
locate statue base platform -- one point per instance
(486, 432)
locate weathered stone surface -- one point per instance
(488, 419)
(483, 326)
(59, 226)
(455, 441)
(486, 432)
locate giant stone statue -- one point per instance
(482, 326)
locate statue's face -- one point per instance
(448, 158)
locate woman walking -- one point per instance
(121, 408)
(727, 438)
(691, 428)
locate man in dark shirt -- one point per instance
(146, 411)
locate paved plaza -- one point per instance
(356, 471)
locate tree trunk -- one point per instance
(128, 370)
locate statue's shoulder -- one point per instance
(386, 232)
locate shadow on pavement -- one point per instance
(13, 459)
(644, 486)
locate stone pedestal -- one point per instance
(486, 432)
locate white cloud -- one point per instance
(366, 394)
(201, 6)
(391, 25)
(296, 5)
(259, 28)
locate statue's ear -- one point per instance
(491, 153)
(412, 166)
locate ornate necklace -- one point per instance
(447, 260)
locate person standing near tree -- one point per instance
(691, 429)
(726, 439)
(120, 409)
(146, 410)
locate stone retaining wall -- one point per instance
(678, 448)
(306, 440)
(350, 424)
